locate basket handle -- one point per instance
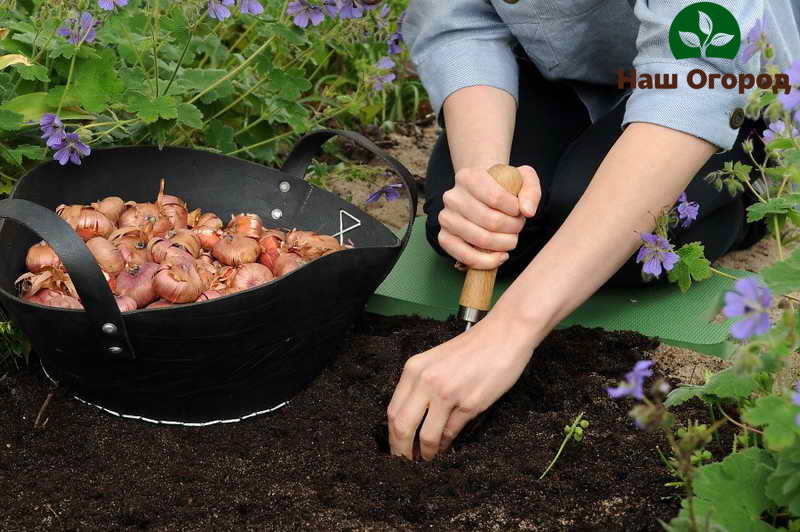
(307, 147)
(96, 296)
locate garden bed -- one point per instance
(318, 462)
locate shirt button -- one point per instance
(737, 118)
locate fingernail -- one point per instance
(506, 257)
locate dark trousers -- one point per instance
(555, 136)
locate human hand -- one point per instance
(481, 221)
(452, 383)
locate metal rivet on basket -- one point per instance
(109, 328)
(276, 214)
(115, 350)
(285, 186)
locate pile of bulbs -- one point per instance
(160, 254)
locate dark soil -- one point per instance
(316, 463)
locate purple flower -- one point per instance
(392, 192)
(71, 149)
(395, 39)
(217, 9)
(111, 5)
(304, 13)
(353, 9)
(52, 129)
(379, 82)
(252, 7)
(385, 63)
(331, 6)
(792, 100)
(656, 252)
(687, 210)
(634, 382)
(751, 300)
(752, 42)
(777, 128)
(385, 10)
(796, 401)
(78, 30)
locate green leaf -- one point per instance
(730, 494)
(190, 115)
(33, 105)
(778, 417)
(196, 80)
(682, 394)
(220, 136)
(96, 82)
(780, 144)
(727, 384)
(150, 110)
(693, 266)
(783, 486)
(289, 84)
(9, 120)
(29, 151)
(32, 73)
(783, 277)
(779, 205)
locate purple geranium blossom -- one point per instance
(777, 128)
(331, 6)
(304, 13)
(251, 7)
(71, 149)
(385, 63)
(634, 381)
(753, 40)
(792, 100)
(656, 253)
(687, 210)
(79, 29)
(353, 9)
(796, 401)
(751, 300)
(391, 192)
(379, 82)
(52, 129)
(217, 9)
(111, 5)
(395, 39)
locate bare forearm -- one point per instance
(645, 171)
(480, 126)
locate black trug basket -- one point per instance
(218, 361)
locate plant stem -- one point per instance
(778, 238)
(232, 73)
(723, 274)
(740, 425)
(261, 143)
(567, 438)
(69, 79)
(180, 61)
(153, 31)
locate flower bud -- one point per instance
(747, 145)
(769, 52)
(584, 423)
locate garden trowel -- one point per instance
(476, 295)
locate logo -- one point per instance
(705, 29)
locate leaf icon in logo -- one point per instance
(690, 39)
(706, 25)
(721, 39)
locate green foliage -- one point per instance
(693, 266)
(730, 495)
(784, 277)
(165, 73)
(777, 415)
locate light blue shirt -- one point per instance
(462, 43)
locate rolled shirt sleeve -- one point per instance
(705, 112)
(459, 44)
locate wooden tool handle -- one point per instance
(479, 284)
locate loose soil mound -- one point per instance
(317, 463)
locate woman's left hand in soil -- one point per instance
(444, 388)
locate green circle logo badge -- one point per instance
(705, 29)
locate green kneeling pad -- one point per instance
(425, 284)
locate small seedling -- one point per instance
(575, 431)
